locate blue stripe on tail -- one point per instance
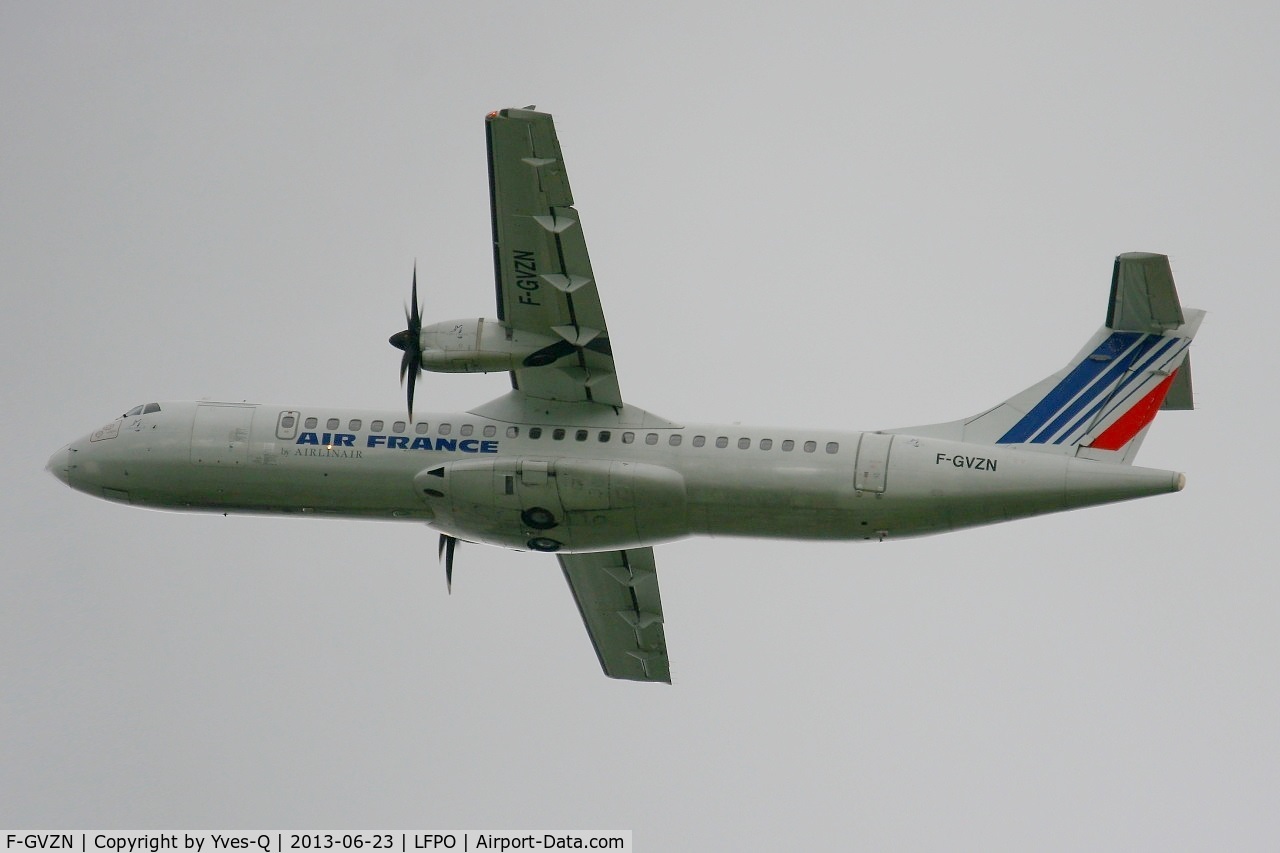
(1103, 387)
(1078, 379)
(1131, 385)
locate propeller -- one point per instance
(410, 342)
(448, 544)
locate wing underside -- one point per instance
(545, 287)
(617, 595)
(542, 270)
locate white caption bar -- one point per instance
(298, 841)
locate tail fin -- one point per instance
(1101, 405)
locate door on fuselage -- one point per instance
(220, 433)
(872, 466)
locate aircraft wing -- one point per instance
(544, 280)
(617, 595)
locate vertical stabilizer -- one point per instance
(1102, 403)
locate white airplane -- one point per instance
(561, 464)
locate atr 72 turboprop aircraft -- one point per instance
(562, 464)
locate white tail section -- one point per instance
(1101, 404)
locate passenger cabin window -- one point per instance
(354, 424)
(833, 447)
(287, 422)
(788, 445)
(628, 437)
(675, 439)
(580, 435)
(605, 435)
(744, 443)
(490, 431)
(558, 433)
(310, 423)
(466, 429)
(722, 441)
(810, 446)
(766, 443)
(332, 423)
(376, 426)
(699, 440)
(535, 432)
(420, 427)
(513, 432)
(398, 426)
(651, 438)
(445, 429)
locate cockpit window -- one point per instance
(151, 407)
(141, 410)
(132, 413)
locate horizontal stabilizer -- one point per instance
(1143, 298)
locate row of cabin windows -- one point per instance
(676, 439)
(559, 433)
(421, 427)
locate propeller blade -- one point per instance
(413, 380)
(415, 319)
(448, 544)
(409, 342)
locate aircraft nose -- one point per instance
(59, 464)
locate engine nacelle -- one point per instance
(550, 504)
(482, 346)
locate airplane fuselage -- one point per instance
(563, 463)
(572, 487)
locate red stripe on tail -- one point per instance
(1133, 421)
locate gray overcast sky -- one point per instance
(798, 213)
